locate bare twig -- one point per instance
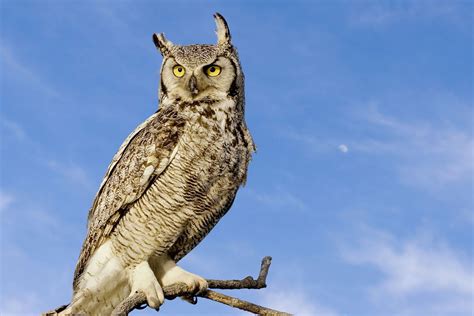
(138, 300)
(246, 283)
(241, 304)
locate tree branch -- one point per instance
(138, 300)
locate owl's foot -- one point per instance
(168, 273)
(143, 279)
(175, 274)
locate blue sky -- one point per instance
(362, 112)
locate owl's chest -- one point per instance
(213, 150)
(212, 127)
(210, 154)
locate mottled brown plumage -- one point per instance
(170, 182)
(149, 146)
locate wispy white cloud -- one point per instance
(295, 301)
(428, 155)
(420, 276)
(34, 219)
(5, 200)
(16, 68)
(13, 128)
(72, 172)
(424, 154)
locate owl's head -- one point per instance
(201, 72)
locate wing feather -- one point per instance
(143, 156)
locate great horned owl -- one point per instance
(170, 182)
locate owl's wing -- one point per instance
(143, 156)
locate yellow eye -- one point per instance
(213, 70)
(178, 71)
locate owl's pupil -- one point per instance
(212, 69)
(180, 69)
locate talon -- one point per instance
(143, 306)
(190, 299)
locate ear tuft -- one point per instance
(223, 33)
(162, 43)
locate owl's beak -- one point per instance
(192, 85)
